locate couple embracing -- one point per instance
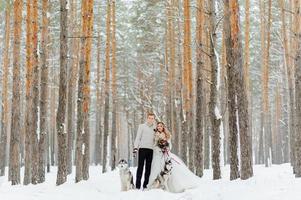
(153, 146)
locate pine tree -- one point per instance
(242, 97)
(73, 67)
(199, 154)
(214, 119)
(44, 93)
(60, 118)
(114, 91)
(16, 113)
(298, 94)
(28, 119)
(107, 86)
(4, 114)
(233, 132)
(99, 91)
(83, 134)
(35, 93)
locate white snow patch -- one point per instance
(83, 149)
(217, 113)
(275, 183)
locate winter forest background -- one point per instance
(78, 77)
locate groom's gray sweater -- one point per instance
(145, 136)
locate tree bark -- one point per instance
(199, 153)
(298, 95)
(60, 118)
(114, 91)
(16, 113)
(73, 67)
(233, 132)
(35, 92)
(28, 114)
(4, 114)
(242, 97)
(44, 93)
(107, 86)
(214, 119)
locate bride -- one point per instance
(181, 177)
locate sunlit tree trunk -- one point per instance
(15, 116)
(246, 168)
(187, 82)
(83, 132)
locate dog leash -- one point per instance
(168, 156)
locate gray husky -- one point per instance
(126, 176)
(162, 178)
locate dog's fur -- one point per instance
(162, 178)
(126, 176)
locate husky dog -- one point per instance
(161, 180)
(126, 176)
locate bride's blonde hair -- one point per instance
(165, 130)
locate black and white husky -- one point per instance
(162, 178)
(126, 176)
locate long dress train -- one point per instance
(181, 177)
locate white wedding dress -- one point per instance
(181, 177)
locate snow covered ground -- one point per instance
(275, 183)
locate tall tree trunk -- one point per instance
(265, 92)
(213, 110)
(83, 132)
(5, 75)
(242, 97)
(86, 109)
(44, 93)
(186, 81)
(28, 114)
(199, 153)
(247, 69)
(73, 67)
(298, 94)
(60, 118)
(16, 113)
(178, 79)
(35, 93)
(233, 132)
(99, 91)
(261, 153)
(107, 86)
(114, 91)
(293, 46)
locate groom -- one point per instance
(143, 144)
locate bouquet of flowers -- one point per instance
(163, 144)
